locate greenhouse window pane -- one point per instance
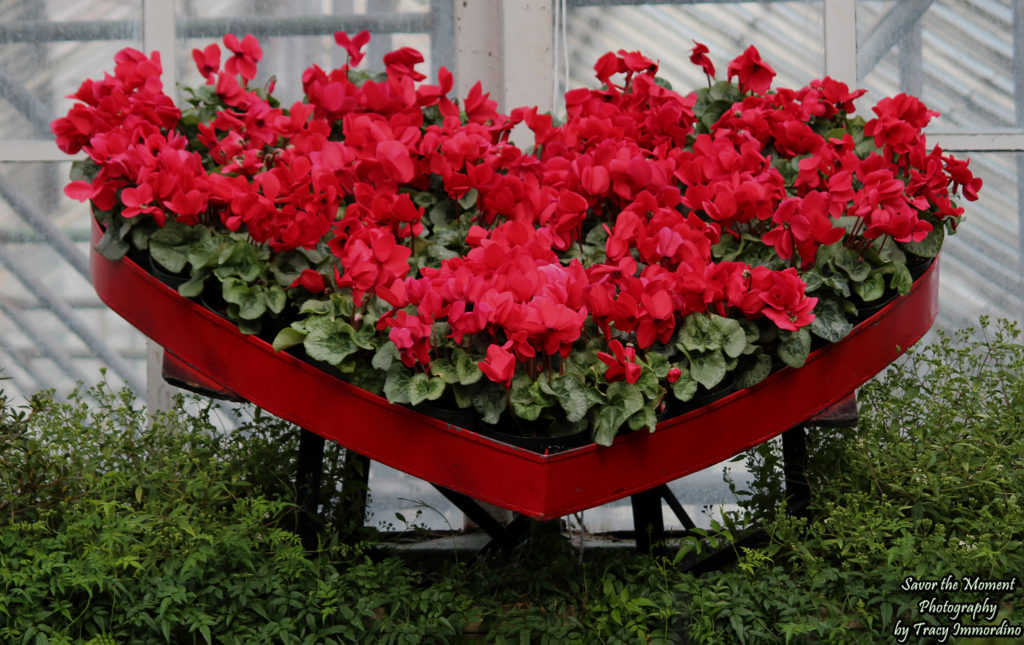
(958, 58)
(982, 264)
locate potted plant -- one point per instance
(653, 249)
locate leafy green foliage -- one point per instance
(114, 529)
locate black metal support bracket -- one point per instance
(503, 536)
(308, 476)
(354, 490)
(794, 468)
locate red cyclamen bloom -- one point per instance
(500, 364)
(207, 61)
(754, 74)
(354, 46)
(247, 54)
(698, 57)
(622, 365)
(312, 280)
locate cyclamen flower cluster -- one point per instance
(633, 170)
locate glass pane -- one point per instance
(957, 57)
(47, 49)
(40, 343)
(982, 264)
(788, 35)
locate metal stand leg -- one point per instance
(648, 522)
(502, 536)
(307, 486)
(354, 489)
(794, 465)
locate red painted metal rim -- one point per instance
(541, 486)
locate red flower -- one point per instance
(754, 74)
(411, 335)
(246, 54)
(402, 62)
(961, 177)
(900, 121)
(311, 280)
(207, 61)
(698, 57)
(622, 365)
(674, 374)
(500, 364)
(783, 295)
(354, 46)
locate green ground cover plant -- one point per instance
(120, 528)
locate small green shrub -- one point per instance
(119, 529)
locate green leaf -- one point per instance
(111, 245)
(174, 234)
(317, 307)
(468, 200)
(440, 214)
(385, 356)
(250, 327)
(871, 289)
(650, 385)
(623, 400)
(829, 321)
(575, 397)
(734, 338)
(172, 258)
(84, 170)
(234, 290)
(930, 246)
(396, 385)
(466, 367)
(288, 337)
(425, 388)
(708, 368)
(329, 344)
(444, 369)
(755, 372)
(794, 346)
(194, 286)
(490, 402)
(464, 394)
(276, 299)
(287, 266)
(852, 263)
(206, 252)
(812, 279)
(685, 388)
(658, 362)
(254, 304)
(646, 418)
(240, 260)
(140, 233)
(699, 334)
(526, 397)
(901, 280)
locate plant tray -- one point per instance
(542, 486)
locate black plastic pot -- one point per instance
(867, 309)
(540, 444)
(703, 397)
(917, 264)
(172, 280)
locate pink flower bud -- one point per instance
(674, 374)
